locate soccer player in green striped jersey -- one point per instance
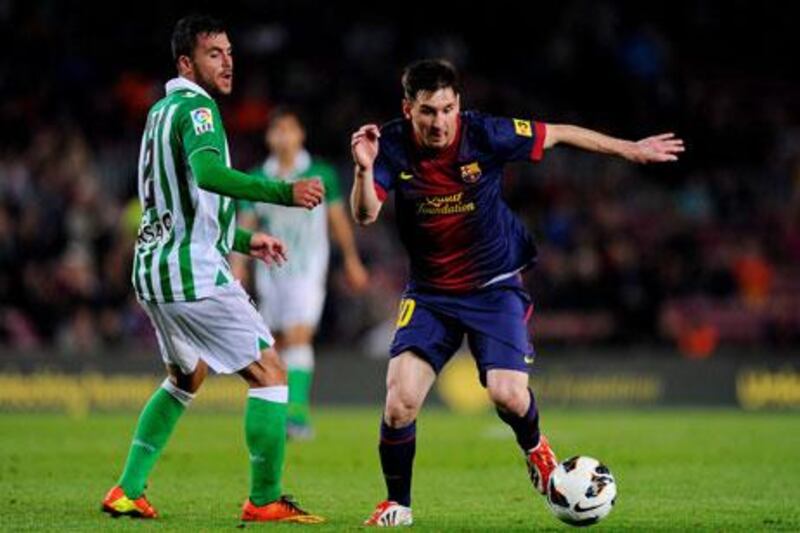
(201, 315)
(291, 299)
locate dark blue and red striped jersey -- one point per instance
(459, 233)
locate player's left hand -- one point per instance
(268, 248)
(661, 148)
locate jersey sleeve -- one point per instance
(200, 126)
(246, 207)
(515, 139)
(330, 179)
(383, 176)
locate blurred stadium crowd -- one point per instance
(697, 254)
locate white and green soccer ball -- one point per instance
(581, 491)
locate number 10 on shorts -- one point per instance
(407, 306)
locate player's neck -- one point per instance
(427, 152)
(192, 78)
(286, 163)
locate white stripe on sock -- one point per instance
(300, 357)
(276, 394)
(181, 395)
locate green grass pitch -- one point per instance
(677, 470)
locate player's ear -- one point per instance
(185, 65)
(407, 108)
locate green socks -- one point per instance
(300, 363)
(156, 422)
(265, 433)
(299, 396)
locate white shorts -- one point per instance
(224, 330)
(291, 301)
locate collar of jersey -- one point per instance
(302, 162)
(182, 84)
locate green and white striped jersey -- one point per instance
(304, 232)
(185, 233)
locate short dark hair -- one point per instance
(187, 29)
(284, 111)
(430, 75)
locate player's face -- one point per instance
(212, 63)
(285, 136)
(434, 117)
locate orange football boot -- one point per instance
(541, 463)
(284, 509)
(116, 503)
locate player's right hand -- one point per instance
(307, 193)
(364, 145)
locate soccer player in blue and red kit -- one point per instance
(466, 252)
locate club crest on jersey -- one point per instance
(523, 128)
(202, 120)
(471, 173)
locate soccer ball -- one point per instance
(581, 491)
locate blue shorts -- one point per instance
(494, 319)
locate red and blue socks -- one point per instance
(526, 427)
(397, 448)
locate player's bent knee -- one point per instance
(188, 382)
(298, 335)
(401, 410)
(399, 417)
(510, 397)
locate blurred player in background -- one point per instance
(291, 298)
(466, 252)
(202, 316)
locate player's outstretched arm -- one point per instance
(212, 175)
(656, 149)
(364, 202)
